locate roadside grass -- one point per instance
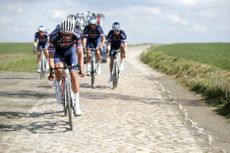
(205, 76)
(17, 57)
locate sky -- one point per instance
(144, 21)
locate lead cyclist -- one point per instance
(66, 42)
(117, 39)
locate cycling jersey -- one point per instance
(42, 40)
(65, 47)
(116, 40)
(93, 36)
(60, 43)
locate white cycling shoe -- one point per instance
(78, 111)
(110, 81)
(98, 71)
(121, 67)
(39, 70)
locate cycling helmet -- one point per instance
(41, 28)
(116, 26)
(67, 26)
(92, 20)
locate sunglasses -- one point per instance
(116, 31)
(67, 34)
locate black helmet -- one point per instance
(116, 26)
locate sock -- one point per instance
(77, 99)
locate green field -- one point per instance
(202, 67)
(215, 54)
(17, 57)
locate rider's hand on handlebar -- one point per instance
(81, 74)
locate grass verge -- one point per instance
(212, 82)
(17, 57)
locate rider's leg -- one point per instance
(110, 68)
(58, 75)
(122, 50)
(38, 61)
(98, 56)
(88, 57)
(75, 83)
(47, 58)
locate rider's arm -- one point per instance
(102, 41)
(36, 40)
(47, 43)
(124, 39)
(84, 36)
(101, 32)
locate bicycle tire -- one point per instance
(114, 75)
(92, 74)
(68, 104)
(64, 97)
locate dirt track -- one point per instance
(144, 114)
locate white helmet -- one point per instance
(41, 28)
(67, 26)
(92, 20)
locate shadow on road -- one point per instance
(139, 99)
(47, 126)
(17, 78)
(88, 85)
(25, 94)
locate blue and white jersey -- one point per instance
(60, 42)
(93, 34)
(42, 39)
(116, 40)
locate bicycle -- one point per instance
(116, 67)
(43, 64)
(93, 67)
(66, 89)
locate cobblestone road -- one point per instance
(135, 117)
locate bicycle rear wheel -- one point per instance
(68, 104)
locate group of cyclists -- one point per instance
(70, 42)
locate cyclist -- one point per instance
(93, 37)
(66, 42)
(41, 38)
(78, 28)
(116, 40)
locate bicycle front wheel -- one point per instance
(92, 74)
(68, 104)
(115, 74)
